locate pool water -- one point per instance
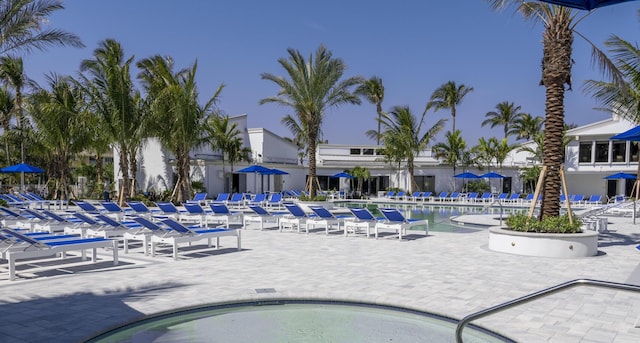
(437, 215)
(296, 321)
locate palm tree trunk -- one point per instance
(556, 72)
(133, 166)
(313, 138)
(379, 110)
(124, 169)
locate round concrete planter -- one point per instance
(560, 245)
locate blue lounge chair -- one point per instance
(195, 213)
(487, 196)
(295, 220)
(222, 214)
(275, 200)
(222, 197)
(324, 218)
(140, 209)
(169, 210)
(390, 194)
(185, 234)
(415, 196)
(595, 199)
(364, 219)
(113, 209)
(261, 216)
(454, 196)
(259, 200)
(143, 233)
(442, 196)
(199, 198)
(36, 249)
(88, 207)
(473, 196)
(236, 200)
(396, 221)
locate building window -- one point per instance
(585, 152)
(602, 151)
(618, 151)
(355, 151)
(367, 152)
(633, 153)
(380, 152)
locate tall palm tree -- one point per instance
(12, 74)
(526, 126)
(108, 84)
(403, 133)
(181, 123)
(7, 107)
(225, 137)
(486, 151)
(24, 26)
(452, 149)
(449, 96)
(506, 114)
(557, 40)
(373, 90)
(361, 174)
(502, 150)
(314, 86)
(60, 116)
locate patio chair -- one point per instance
(12, 202)
(442, 196)
(36, 249)
(236, 200)
(88, 207)
(396, 221)
(275, 201)
(190, 235)
(143, 234)
(199, 198)
(595, 199)
(11, 217)
(578, 199)
(113, 209)
(140, 209)
(195, 213)
(261, 216)
(294, 220)
(454, 196)
(106, 228)
(415, 196)
(390, 194)
(472, 197)
(426, 196)
(514, 197)
(169, 210)
(222, 197)
(222, 214)
(42, 223)
(363, 219)
(324, 219)
(259, 199)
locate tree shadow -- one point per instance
(71, 318)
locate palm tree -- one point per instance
(402, 135)
(502, 150)
(373, 90)
(452, 150)
(7, 106)
(226, 138)
(109, 86)
(486, 151)
(526, 126)
(181, 123)
(448, 96)
(557, 40)
(24, 26)
(12, 74)
(361, 174)
(506, 114)
(313, 87)
(60, 115)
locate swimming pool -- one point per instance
(284, 320)
(437, 215)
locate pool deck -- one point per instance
(448, 273)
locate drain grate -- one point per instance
(265, 290)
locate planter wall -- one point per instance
(304, 205)
(560, 245)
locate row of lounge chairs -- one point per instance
(33, 233)
(519, 198)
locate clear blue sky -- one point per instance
(413, 46)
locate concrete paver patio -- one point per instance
(453, 274)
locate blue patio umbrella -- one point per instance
(256, 169)
(629, 135)
(275, 171)
(21, 168)
(585, 4)
(621, 176)
(466, 175)
(492, 175)
(345, 175)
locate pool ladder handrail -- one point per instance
(496, 201)
(540, 294)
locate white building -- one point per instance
(590, 156)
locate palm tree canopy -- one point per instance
(23, 26)
(506, 114)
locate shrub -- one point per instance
(316, 198)
(524, 223)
